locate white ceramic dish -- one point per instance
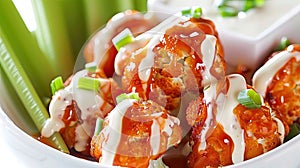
(243, 48)
(34, 154)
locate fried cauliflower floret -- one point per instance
(184, 56)
(74, 110)
(134, 133)
(281, 87)
(225, 132)
(100, 48)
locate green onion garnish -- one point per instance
(56, 84)
(91, 67)
(186, 12)
(259, 3)
(88, 83)
(294, 130)
(284, 42)
(197, 12)
(124, 96)
(194, 12)
(249, 98)
(99, 126)
(227, 11)
(249, 4)
(229, 8)
(122, 39)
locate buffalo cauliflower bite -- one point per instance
(225, 132)
(134, 133)
(73, 110)
(278, 80)
(100, 48)
(179, 55)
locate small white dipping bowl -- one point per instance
(247, 40)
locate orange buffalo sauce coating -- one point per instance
(147, 131)
(261, 131)
(217, 153)
(178, 62)
(283, 92)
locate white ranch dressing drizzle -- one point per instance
(225, 105)
(264, 75)
(280, 129)
(113, 131)
(60, 100)
(157, 32)
(208, 49)
(226, 117)
(156, 131)
(155, 137)
(209, 95)
(105, 35)
(87, 101)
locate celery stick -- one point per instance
(98, 12)
(124, 5)
(52, 35)
(13, 106)
(34, 62)
(25, 90)
(140, 5)
(74, 18)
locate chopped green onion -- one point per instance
(260, 3)
(228, 8)
(284, 42)
(124, 96)
(88, 83)
(91, 67)
(249, 98)
(249, 4)
(186, 12)
(294, 130)
(197, 13)
(56, 84)
(194, 12)
(227, 11)
(122, 39)
(99, 126)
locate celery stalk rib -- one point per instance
(14, 107)
(73, 15)
(26, 91)
(98, 12)
(140, 5)
(52, 35)
(124, 5)
(35, 63)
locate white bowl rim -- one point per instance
(8, 123)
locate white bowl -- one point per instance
(242, 48)
(34, 154)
